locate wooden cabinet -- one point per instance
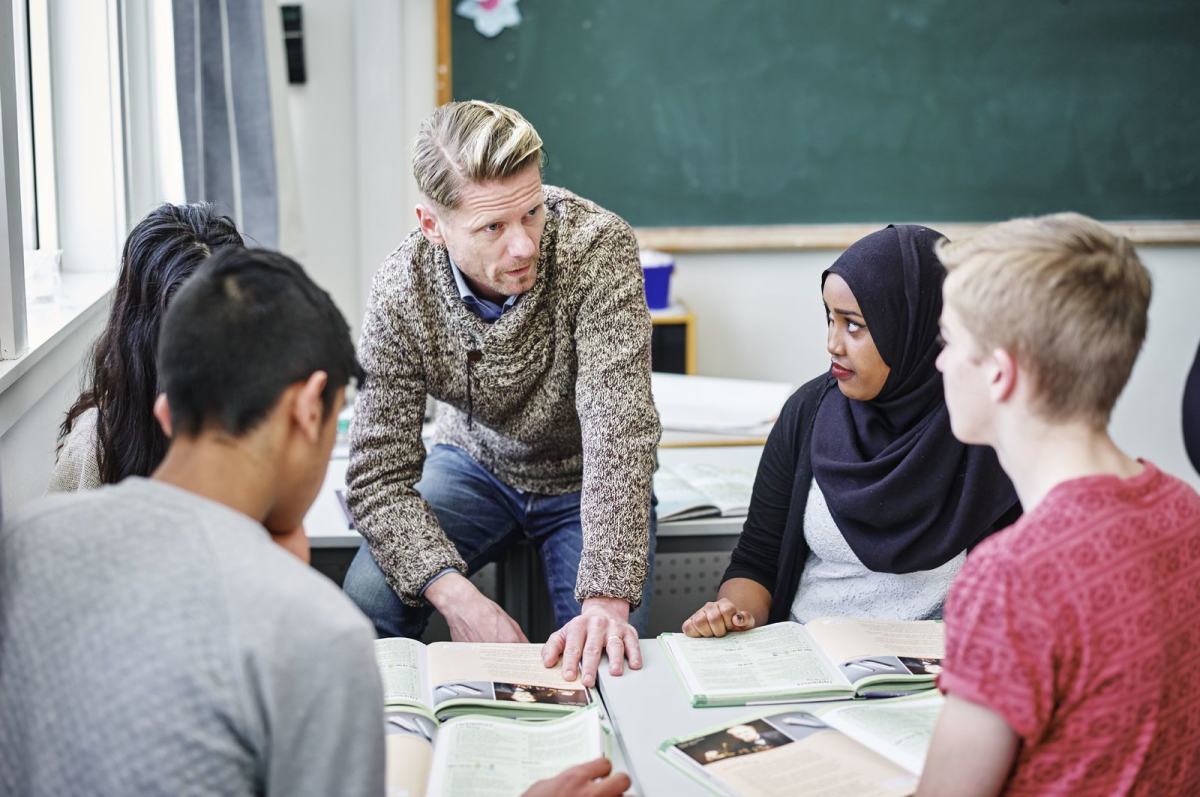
(673, 341)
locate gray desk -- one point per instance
(649, 706)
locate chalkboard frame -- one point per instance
(795, 237)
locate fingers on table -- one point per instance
(598, 632)
(633, 650)
(615, 648)
(576, 635)
(582, 642)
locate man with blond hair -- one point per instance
(520, 308)
(1069, 635)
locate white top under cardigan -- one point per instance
(835, 583)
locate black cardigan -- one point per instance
(1191, 413)
(771, 549)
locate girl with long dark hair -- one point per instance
(110, 431)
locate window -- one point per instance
(92, 93)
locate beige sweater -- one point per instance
(559, 398)
(78, 464)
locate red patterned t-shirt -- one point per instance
(1080, 626)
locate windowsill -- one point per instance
(81, 296)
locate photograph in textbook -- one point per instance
(748, 738)
(927, 665)
(531, 693)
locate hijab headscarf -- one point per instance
(904, 492)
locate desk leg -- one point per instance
(523, 593)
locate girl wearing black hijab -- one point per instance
(865, 503)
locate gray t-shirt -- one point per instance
(155, 642)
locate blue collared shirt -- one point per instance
(488, 310)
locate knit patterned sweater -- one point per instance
(552, 398)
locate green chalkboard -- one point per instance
(730, 112)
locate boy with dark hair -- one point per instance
(152, 638)
(1069, 635)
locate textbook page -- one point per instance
(777, 659)
(726, 488)
(899, 729)
(786, 754)
(511, 673)
(492, 757)
(408, 745)
(402, 668)
(678, 500)
(881, 649)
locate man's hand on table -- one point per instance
(602, 627)
(581, 781)
(471, 615)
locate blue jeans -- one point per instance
(483, 517)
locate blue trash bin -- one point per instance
(657, 268)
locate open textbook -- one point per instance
(484, 756)
(874, 748)
(827, 659)
(688, 490)
(448, 679)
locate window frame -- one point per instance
(14, 339)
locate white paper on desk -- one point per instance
(709, 404)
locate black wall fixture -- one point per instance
(293, 40)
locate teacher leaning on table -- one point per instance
(519, 307)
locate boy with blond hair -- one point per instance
(1068, 635)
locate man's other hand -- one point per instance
(471, 615)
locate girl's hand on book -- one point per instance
(717, 618)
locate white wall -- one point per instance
(759, 316)
(324, 124)
(393, 54)
(32, 408)
(370, 81)
(1148, 420)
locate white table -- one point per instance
(649, 706)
